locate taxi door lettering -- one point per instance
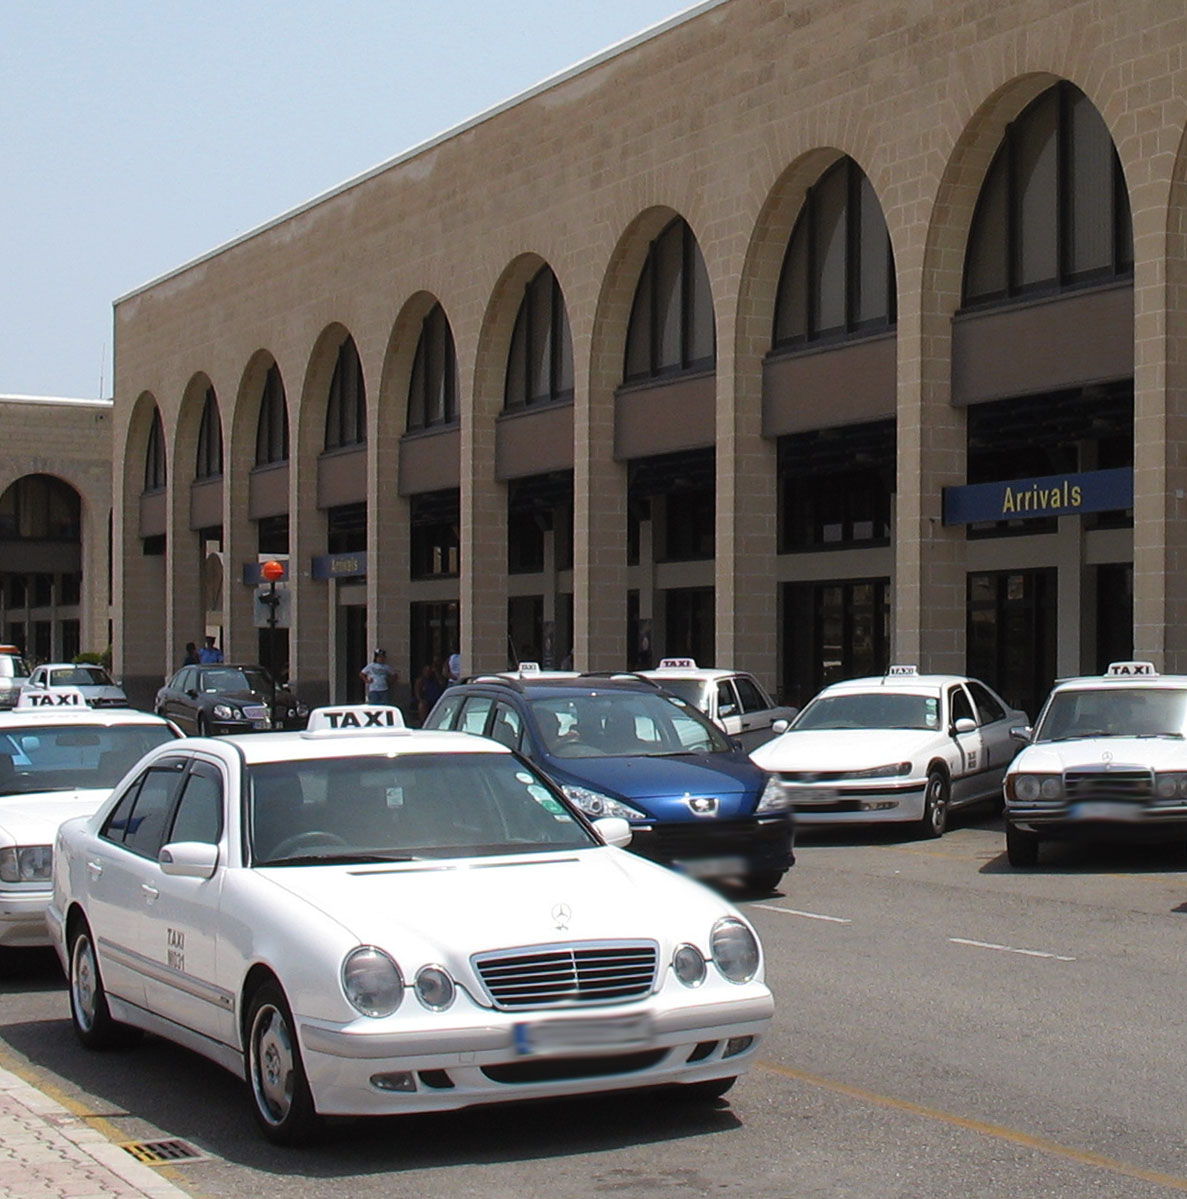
(176, 951)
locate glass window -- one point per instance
(210, 440)
(960, 708)
(444, 711)
(672, 327)
(272, 431)
(727, 701)
(66, 758)
(989, 711)
(154, 456)
(433, 391)
(199, 815)
(346, 412)
(40, 508)
(142, 829)
(540, 361)
(507, 726)
(751, 695)
(475, 710)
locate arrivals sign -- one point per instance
(340, 566)
(1031, 499)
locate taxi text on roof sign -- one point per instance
(51, 697)
(899, 671)
(1129, 670)
(355, 717)
(677, 664)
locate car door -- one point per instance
(118, 873)
(728, 711)
(756, 712)
(180, 914)
(996, 721)
(969, 771)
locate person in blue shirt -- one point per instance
(210, 652)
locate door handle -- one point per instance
(94, 868)
(150, 892)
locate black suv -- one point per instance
(620, 745)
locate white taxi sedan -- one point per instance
(57, 761)
(363, 919)
(1106, 758)
(733, 700)
(904, 747)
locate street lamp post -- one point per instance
(272, 570)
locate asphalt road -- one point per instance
(946, 1027)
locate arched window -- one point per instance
(540, 363)
(1053, 211)
(433, 392)
(272, 432)
(40, 508)
(154, 457)
(837, 280)
(210, 440)
(672, 328)
(346, 412)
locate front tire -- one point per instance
(89, 1013)
(704, 1092)
(762, 882)
(936, 798)
(1022, 848)
(281, 1099)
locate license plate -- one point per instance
(1103, 810)
(582, 1035)
(711, 867)
(261, 724)
(807, 797)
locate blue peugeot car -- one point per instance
(620, 745)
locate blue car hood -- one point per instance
(660, 785)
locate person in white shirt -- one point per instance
(378, 677)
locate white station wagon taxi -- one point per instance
(1105, 758)
(901, 747)
(58, 760)
(364, 919)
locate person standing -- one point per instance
(378, 677)
(427, 691)
(454, 668)
(210, 652)
(191, 655)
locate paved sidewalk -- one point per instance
(48, 1152)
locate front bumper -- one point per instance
(475, 1056)
(1070, 819)
(857, 801)
(22, 918)
(718, 848)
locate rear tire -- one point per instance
(281, 1099)
(89, 1013)
(1022, 848)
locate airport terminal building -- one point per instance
(796, 337)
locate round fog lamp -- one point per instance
(434, 988)
(689, 965)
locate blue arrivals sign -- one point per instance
(1029, 499)
(340, 566)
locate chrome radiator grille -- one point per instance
(1108, 784)
(549, 976)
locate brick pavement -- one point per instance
(49, 1152)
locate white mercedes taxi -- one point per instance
(904, 747)
(733, 700)
(58, 759)
(1106, 758)
(363, 919)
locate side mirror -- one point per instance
(613, 830)
(1022, 732)
(780, 726)
(966, 724)
(188, 859)
(192, 693)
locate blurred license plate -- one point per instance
(592, 1034)
(806, 797)
(1102, 810)
(711, 867)
(261, 724)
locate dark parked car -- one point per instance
(225, 698)
(622, 746)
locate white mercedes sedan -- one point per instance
(363, 919)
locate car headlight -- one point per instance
(1170, 786)
(26, 863)
(893, 771)
(434, 988)
(302, 709)
(735, 950)
(224, 712)
(594, 803)
(775, 796)
(372, 981)
(689, 966)
(1029, 787)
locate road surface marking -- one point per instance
(1029, 953)
(1000, 1132)
(770, 907)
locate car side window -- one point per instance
(959, 705)
(140, 825)
(507, 726)
(988, 708)
(475, 710)
(444, 711)
(750, 695)
(199, 815)
(727, 703)
(183, 680)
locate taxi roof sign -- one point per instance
(356, 718)
(1131, 670)
(901, 671)
(529, 668)
(51, 697)
(677, 664)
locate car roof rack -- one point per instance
(627, 675)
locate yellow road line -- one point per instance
(999, 1131)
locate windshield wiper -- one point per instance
(336, 859)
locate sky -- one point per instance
(136, 135)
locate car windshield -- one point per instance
(871, 710)
(65, 758)
(695, 691)
(1114, 712)
(405, 806)
(624, 724)
(80, 676)
(231, 679)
